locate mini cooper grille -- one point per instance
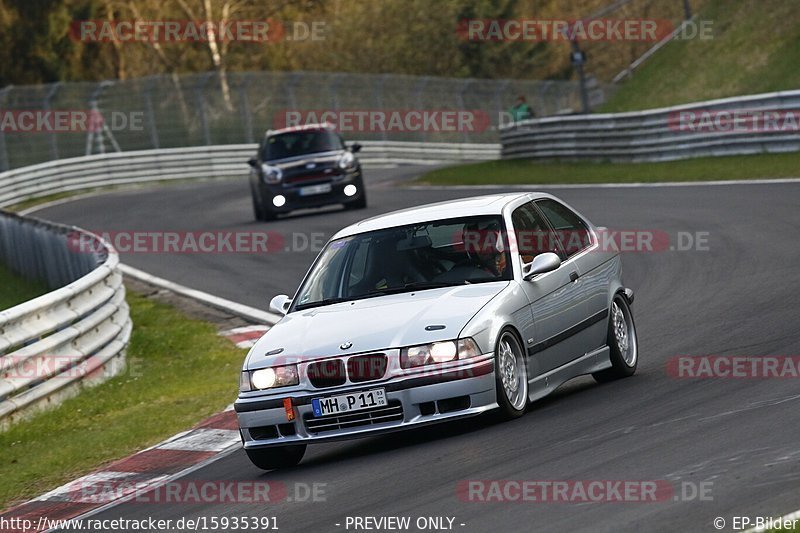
(304, 178)
(366, 367)
(381, 415)
(328, 373)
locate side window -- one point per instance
(571, 231)
(533, 235)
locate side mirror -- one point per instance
(280, 304)
(355, 147)
(253, 162)
(546, 262)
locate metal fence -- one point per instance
(754, 124)
(189, 110)
(74, 336)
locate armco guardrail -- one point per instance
(693, 130)
(119, 168)
(74, 336)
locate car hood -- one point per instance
(371, 324)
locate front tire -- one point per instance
(277, 457)
(622, 341)
(511, 376)
(258, 211)
(261, 212)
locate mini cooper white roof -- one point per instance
(302, 127)
(491, 204)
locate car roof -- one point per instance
(490, 204)
(303, 127)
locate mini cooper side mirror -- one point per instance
(280, 304)
(253, 162)
(546, 262)
(355, 147)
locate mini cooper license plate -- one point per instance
(315, 189)
(346, 403)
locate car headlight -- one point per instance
(271, 174)
(269, 378)
(438, 352)
(347, 161)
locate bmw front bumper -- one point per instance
(421, 396)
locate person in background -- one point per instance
(521, 110)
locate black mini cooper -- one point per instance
(308, 166)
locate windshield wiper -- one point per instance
(409, 287)
(319, 303)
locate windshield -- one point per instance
(407, 258)
(297, 143)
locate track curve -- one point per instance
(738, 298)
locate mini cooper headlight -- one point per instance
(347, 161)
(269, 378)
(438, 352)
(271, 174)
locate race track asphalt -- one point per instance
(740, 436)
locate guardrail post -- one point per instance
(334, 89)
(461, 93)
(4, 163)
(379, 97)
(687, 10)
(290, 88)
(499, 91)
(53, 139)
(543, 89)
(97, 130)
(418, 97)
(577, 52)
(200, 101)
(151, 116)
(244, 108)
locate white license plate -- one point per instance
(315, 189)
(347, 403)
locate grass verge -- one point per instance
(179, 371)
(755, 48)
(14, 290)
(525, 171)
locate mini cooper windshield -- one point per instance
(421, 256)
(299, 143)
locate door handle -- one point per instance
(573, 276)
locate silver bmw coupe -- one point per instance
(432, 313)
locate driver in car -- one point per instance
(490, 253)
(486, 256)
